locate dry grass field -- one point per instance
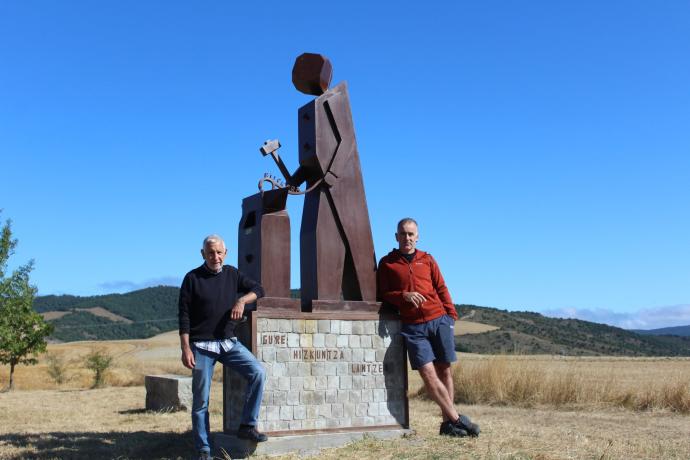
(529, 407)
(464, 327)
(133, 359)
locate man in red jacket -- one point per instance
(410, 280)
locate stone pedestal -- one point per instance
(168, 392)
(327, 372)
(332, 376)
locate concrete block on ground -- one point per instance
(168, 392)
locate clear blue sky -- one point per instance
(543, 146)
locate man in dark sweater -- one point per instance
(212, 301)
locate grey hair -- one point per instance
(212, 239)
(406, 220)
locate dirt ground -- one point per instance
(111, 423)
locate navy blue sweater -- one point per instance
(206, 299)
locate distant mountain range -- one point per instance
(150, 311)
(683, 331)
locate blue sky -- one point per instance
(542, 146)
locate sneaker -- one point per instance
(464, 423)
(250, 432)
(450, 429)
(204, 455)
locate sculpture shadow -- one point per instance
(92, 445)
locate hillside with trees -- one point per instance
(676, 330)
(151, 311)
(532, 333)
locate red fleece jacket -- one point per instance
(395, 275)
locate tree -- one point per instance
(98, 361)
(22, 330)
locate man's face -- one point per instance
(407, 237)
(214, 254)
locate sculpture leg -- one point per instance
(322, 250)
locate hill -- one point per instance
(683, 331)
(532, 333)
(134, 315)
(150, 311)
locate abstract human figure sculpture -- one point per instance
(336, 246)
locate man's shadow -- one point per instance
(90, 445)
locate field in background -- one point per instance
(133, 359)
(529, 407)
(524, 381)
(464, 327)
(584, 383)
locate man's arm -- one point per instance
(252, 291)
(238, 310)
(395, 297)
(442, 290)
(183, 317)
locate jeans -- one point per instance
(240, 360)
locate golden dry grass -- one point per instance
(97, 311)
(133, 359)
(528, 381)
(464, 327)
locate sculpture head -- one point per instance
(312, 74)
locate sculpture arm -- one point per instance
(298, 178)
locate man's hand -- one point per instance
(188, 358)
(238, 310)
(414, 297)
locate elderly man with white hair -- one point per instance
(212, 300)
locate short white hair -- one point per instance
(406, 220)
(212, 239)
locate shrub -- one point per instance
(57, 368)
(98, 361)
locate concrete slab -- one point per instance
(309, 444)
(168, 392)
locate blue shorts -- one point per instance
(432, 341)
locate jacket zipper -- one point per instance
(409, 266)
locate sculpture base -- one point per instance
(302, 444)
(318, 305)
(279, 304)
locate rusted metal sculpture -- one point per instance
(337, 259)
(264, 241)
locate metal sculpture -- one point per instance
(264, 241)
(337, 259)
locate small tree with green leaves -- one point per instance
(98, 361)
(22, 330)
